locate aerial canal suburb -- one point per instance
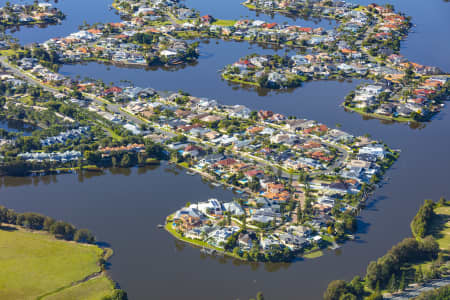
(29, 14)
(365, 44)
(299, 183)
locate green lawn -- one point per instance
(441, 227)
(236, 80)
(34, 264)
(93, 289)
(8, 52)
(378, 116)
(184, 164)
(114, 135)
(224, 22)
(314, 254)
(249, 6)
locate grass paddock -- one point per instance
(35, 264)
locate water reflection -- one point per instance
(180, 246)
(81, 175)
(411, 125)
(17, 126)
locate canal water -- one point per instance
(16, 126)
(123, 207)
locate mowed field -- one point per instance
(35, 264)
(441, 227)
(93, 289)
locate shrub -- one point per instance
(84, 236)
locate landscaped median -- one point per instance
(36, 265)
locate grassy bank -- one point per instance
(93, 289)
(441, 228)
(313, 254)
(378, 116)
(235, 80)
(35, 264)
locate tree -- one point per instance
(375, 296)
(141, 159)
(402, 284)
(84, 236)
(392, 285)
(93, 157)
(442, 202)
(335, 290)
(357, 286)
(372, 274)
(299, 213)
(58, 228)
(330, 230)
(114, 161)
(436, 294)
(48, 223)
(31, 220)
(429, 248)
(2, 215)
(302, 176)
(63, 230)
(420, 223)
(126, 161)
(350, 223)
(117, 295)
(348, 296)
(418, 274)
(263, 80)
(254, 184)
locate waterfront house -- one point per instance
(268, 243)
(234, 208)
(293, 242)
(375, 150)
(245, 242)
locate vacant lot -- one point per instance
(34, 264)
